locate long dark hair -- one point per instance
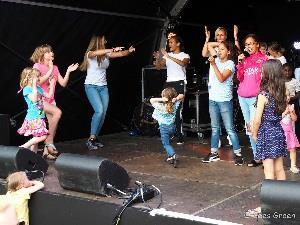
(273, 82)
(232, 49)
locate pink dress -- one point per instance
(45, 86)
(288, 127)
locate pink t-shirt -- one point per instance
(45, 86)
(249, 75)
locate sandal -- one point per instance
(51, 149)
(49, 156)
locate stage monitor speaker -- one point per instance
(14, 159)
(8, 160)
(280, 202)
(4, 129)
(90, 174)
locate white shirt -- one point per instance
(221, 91)
(175, 72)
(96, 74)
(282, 59)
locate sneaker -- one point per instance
(91, 145)
(180, 140)
(229, 141)
(211, 157)
(97, 143)
(253, 163)
(172, 160)
(239, 160)
(294, 169)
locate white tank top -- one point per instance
(96, 74)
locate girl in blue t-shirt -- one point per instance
(34, 123)
(165, 112)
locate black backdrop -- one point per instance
(23, 27)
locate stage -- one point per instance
(218, 190)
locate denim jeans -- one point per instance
(224, 110)
(98, 97)
(248, 110)
(165, 132)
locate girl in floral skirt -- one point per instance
(34, 123)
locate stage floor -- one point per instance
(218, 190)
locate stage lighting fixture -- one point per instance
(296, 45)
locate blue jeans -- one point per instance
(248, 110)
(224, 110)
(98, 97)
(165, 132)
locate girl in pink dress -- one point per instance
(43, 58)
(288, 118)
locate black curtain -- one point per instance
(24, 27)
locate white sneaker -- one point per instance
(229, 141)
(294, 169)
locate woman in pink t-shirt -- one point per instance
(43, 57)
(249, 76)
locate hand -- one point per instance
(241, 57)
(235, 32)
(164, 99)
(72, 67)
(174, 100)
(118, 49)
(156, 55)
(207, 34)
(131, 49)
(212, 61)
(164, 52)
(291, 108)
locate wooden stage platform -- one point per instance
(218, 190)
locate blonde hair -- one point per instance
(38, 54)
(220, 29)
(169, 93)
(96, 43)
(15, 180)
(26, 76)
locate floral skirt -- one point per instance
(36, 128)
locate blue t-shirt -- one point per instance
(218, 91)
(35, 109)
(161, 115)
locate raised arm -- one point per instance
(46, 77)
(235, 35)
(119, 52)
(183, 62)
(35, 186)
(207, 36)
(159, 62)
(63, 81)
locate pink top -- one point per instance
(45, 86)
(249, 75)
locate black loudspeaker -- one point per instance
(280, 202)
(14, 159)
(4, 129)
(33, 164)
(8, 160)
(90, 174)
